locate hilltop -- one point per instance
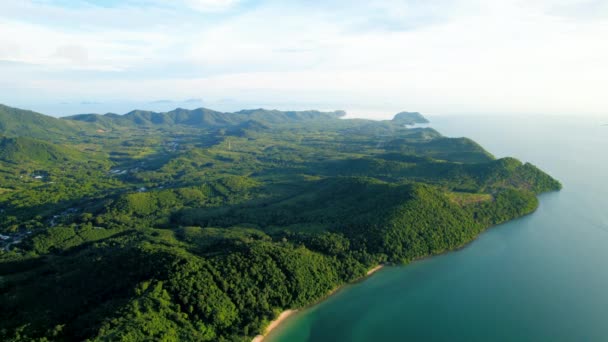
(24, 150)
(409, 118)
(16, 122)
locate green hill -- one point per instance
(22, 150)
(201, 118)
(16, 122)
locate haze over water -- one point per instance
(542, 277)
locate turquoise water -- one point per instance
(543, 277)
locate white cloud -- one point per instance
(211, 5)
(72, 53)
(457, 56)
(108, 50)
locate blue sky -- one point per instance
(371, 58)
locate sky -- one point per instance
(370, 57)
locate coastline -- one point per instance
(275, 323)
(288, 313)
(374, 270)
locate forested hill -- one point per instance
(27, 150)
(197, 225)
(16, 122)
(201, 118)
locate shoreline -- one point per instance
(273, 324)
(374, 270)
(288, 313)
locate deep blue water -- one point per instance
(543, 277)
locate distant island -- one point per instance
(201, 225)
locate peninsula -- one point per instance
(201, 225)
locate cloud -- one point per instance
(73, 53)
(10, 51)
(571, 9)
(439, 56)
(211, 5)
(106, 50)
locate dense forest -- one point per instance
(201, 225)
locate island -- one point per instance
(201, 225)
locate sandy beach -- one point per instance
(285, 314)
(375, 269)
(274, 324)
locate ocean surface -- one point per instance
(543, 277)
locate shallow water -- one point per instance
(542, 277)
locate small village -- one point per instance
(8, 240)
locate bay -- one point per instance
(542, 277)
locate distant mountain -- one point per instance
(201, 117)
(409, 118)
(16, 122)
(21, 149)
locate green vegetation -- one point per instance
(201, 225)
(24, 123)
(409, 118)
